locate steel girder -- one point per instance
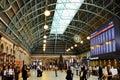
(12, 26)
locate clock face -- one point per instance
(77, 38)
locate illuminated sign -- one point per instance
(103, 40)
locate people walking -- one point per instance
(39, 71)
(56, 68)
(11, 73)
(5, 73)
(100, 73)
(17, 72)
(83, 73)
(69, 75)
(24, 72)
(109, 76)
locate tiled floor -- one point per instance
(50, 75)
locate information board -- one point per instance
(103, 40)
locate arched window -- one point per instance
(11, 51)
(7, 50)
(1, 48)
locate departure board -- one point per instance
(103, 40)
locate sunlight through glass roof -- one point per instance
(64, 13)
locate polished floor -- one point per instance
(50, 75)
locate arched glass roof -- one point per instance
(23, 21)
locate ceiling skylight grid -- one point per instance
(64, 13)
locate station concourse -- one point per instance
(47, 37)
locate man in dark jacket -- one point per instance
(69, 74)
(100, 72)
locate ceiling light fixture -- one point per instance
(45, 27)
(71, 47)
(47, 13)
(44, 41)
(88, 38)
(81, 42)
(44, 49)
(66, 50)
(44, 36)
(75, 45)
(44, 45)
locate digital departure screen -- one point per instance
(103, 40)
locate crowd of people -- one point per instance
(108, 73)
(103, 73)
(83, 71)
(15, 73)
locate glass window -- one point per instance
(64, 12)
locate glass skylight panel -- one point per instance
(64, 13)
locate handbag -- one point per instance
(28, 74)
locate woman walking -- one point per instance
(24, 72)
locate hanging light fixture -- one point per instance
(47, 13)
(44, 49)
(75, 45)
(66, 50)
(71, 47)
(88, 38)
(81, 42)
(44, 41)
(44, 45)
(44, 36)
(45, 27)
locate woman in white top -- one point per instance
(4, 73)
(10, 73)
(39, 71)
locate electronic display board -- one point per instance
(103, 40)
